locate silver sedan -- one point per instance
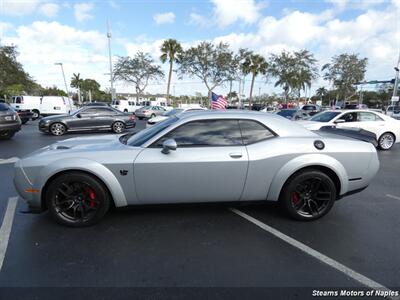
(149, 112)
(197, 157)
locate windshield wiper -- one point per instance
(124, 138)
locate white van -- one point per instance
(162, 103)
(126, 105)
(31, 103)
(56, 105)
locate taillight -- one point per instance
(145, 111)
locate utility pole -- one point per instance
(396, 81)
(240, 91)
(65, 82)
(110, 61)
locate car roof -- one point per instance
(278, 124)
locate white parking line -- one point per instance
(365, 281)
(10, 160)
(5, 228)
(393, 197)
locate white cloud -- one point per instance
(341, 5)
(227, 12)
(41, 44)
(82, 11)
(164, 18)
(50, 10)
(199, 20)
(18, 7)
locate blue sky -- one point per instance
(73, 32)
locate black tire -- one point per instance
(6, 135)
(140, 118)
(125, 110)
(36, 114)
(152, 116)
(118, 127)
(57, 129)
(308, 195)
(24, 121)
(77, 199)
(386, 141)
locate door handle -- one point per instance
(235, 154)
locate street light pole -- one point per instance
(110, 61)
(65, 82)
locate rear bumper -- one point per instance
(13, 127)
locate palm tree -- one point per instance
(170, 50)
(320, 92)
(254, 64)
(76, 82)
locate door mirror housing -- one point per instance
(169, 145)
(79, 116)
(338, 121)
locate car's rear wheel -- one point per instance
(118, 127)
(6, 135)
(58, 129)
(386, 141)
(35, 114)
(77, 199)
(152, 116)
(308, 195)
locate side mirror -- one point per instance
(338, 121)
(169, 145)
(78, 116)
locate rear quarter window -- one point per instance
(253, 132)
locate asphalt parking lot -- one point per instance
(216, 250)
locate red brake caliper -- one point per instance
(294, 197)
(92, 196)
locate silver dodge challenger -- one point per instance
(197, 157)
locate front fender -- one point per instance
(303, 161)
(87, 165)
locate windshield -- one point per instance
(286, 113)
(325, 116)
(143, 136)
(173, 112)
(4, 107)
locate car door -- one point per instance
(209, 164)
(371, 122)
(104, 117)
(350, 120)
(84, 119)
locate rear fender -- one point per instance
(304, 161)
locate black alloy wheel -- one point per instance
(77, 199)
(308, 195)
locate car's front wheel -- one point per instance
(58, 129)
(308, 195)
(386, 141)
(6, 135)
(77, 199)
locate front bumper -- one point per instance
(44, 127)
(26, 189)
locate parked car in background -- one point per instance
(56, 105)
(311, 109)
(24, 115)
(149, 112)
(269, 109)
(27, 103)
(386, 129)
(96, 103)
(170, 113)
(393, 111)
(197, 157)
(126, 105)
(10, 123)
(90, 118)
(293, 114)
(355, 106)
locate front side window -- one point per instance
(253, 132)
(349, 117)
(205, 133)
(325, 116)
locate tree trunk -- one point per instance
(209, 98)
(251, 90)
(169, 81)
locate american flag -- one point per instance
(218, 101)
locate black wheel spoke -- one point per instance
(322, 196)
(313, 208)
(315, 185)
(300, 205)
